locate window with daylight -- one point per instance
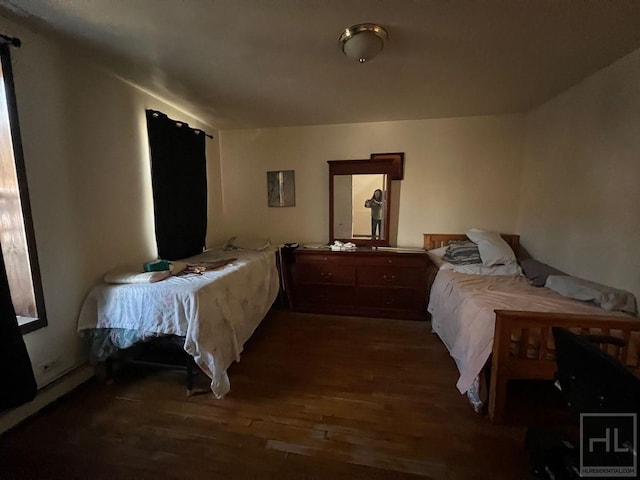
(16, 227)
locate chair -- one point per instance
(591, 381)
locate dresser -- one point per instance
(364, 282)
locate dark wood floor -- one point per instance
(314, 397)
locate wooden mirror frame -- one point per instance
(384, 166)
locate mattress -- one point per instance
(216, 312)
(462, 310)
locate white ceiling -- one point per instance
(266, 63)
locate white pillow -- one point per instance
(435, 255)
(247, 243)
(493, 249)
(130, 275)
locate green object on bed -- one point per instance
(156, 266)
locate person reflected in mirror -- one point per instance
(375, 204)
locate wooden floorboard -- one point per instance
(314, 396)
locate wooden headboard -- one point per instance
(436, 240)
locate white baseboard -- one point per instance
(45, 396)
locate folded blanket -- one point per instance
(122, 275)
(608, 298)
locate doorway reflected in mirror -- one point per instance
(360, 206)
(354, 207)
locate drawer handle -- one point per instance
(322, 274)
(389, 302)
(390, 260)
(389, 278)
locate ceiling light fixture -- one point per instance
(363, 41)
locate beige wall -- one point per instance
(580, 203)
(86, 156)
(459, 173)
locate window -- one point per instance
(16, 226)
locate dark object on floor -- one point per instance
(552, 454)
(18, 383)
(165, 352)
(592, 382)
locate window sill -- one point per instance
(25, 320)
(28, 324)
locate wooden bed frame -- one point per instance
(533, 329)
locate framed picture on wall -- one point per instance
(281, 188)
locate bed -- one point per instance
(212, 314)
(505, 323)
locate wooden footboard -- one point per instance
(523, 347)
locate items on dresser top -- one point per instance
(338, 246)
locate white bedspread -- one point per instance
(462, 309)
(216, 312)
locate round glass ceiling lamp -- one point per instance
(363, 41)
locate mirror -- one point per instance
(360, 206)
(360, 200)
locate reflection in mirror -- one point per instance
(360, 206)
(354, 208)
(342, 206)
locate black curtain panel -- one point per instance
(179, 180)
(17, 383)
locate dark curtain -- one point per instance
(179, 180)
(17, 383)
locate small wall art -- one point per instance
(281, 188)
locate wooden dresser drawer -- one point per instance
(331, 273)
(366, 282)
(399, 260)
(393, 276)
(390, 298)
(332, 258)
(326, 295)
